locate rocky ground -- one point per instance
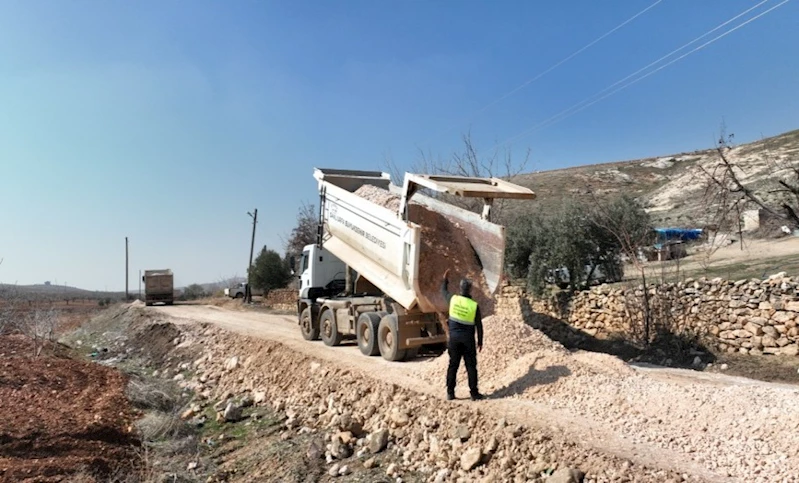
(326, 422)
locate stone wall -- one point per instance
(747, 316)
(282, 299)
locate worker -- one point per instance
(464, 318)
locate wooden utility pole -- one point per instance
(139, 284)
(248, 290)
(127, 297)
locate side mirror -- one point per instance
(292, 262)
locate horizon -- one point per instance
(167, 125)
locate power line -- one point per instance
(561, 62)
(588, 102)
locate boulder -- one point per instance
(378, 441)
(232, 413)
(471, 458)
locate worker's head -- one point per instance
(466, 287)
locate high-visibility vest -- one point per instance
(462, 309)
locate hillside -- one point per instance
(54, 291)
(671, 187)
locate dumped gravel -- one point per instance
(736, 429)
(444, 246)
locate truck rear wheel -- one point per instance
(388, 338)
(310, 330)
(327, 326)
(368, 326)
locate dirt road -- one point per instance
(569, 412)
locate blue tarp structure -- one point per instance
(672, 234)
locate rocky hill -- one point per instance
(671, 187)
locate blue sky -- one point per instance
(167, 121)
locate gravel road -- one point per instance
(709, 426)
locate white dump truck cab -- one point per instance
(321, 273)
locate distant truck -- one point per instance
(158, 287)
(240, 291)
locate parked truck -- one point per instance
(158, 287)
(361, 279)
(240, 290)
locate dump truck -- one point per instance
(158, 287)
(361, 278)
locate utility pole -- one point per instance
(127, 296)
(140, 284)
(248, 290)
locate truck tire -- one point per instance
(309, 328)
(238, 295)
(328, 330)
(366, 330)
(388, 339)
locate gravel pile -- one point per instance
(444, 245)
(744, 429)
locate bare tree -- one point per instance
(304, 232)
(40, 326)
(468, 162)
(731, 195)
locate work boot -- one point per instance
(477, 397)
(450, 396)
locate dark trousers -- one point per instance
(461, 347)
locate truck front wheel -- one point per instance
(368, 325)
(310, 330)
(327, 325)
(388, 338)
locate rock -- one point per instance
(391, 470)
(724, 367)
(792, 306)
(232, 413)
(754, 328)
(315, 450)
(566, 475)
(768, 341)
(769, 330)
(471, 458)
(191, 466)
(697, 361)
(492, 445)
(461, 432)
(370, 463)
(247, 401)
(400, 418)
(259, 397)
(346, 437)
(378, 441)
(344, 470)
(232, 363)
(339, 449)
(442, 475)
(333, 471)
(790, 350)
(190, 413)
(783, 317)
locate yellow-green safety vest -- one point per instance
(462, 309)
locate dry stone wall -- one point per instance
(282, 299)
(747, 316)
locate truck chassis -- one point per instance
(378, 325)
